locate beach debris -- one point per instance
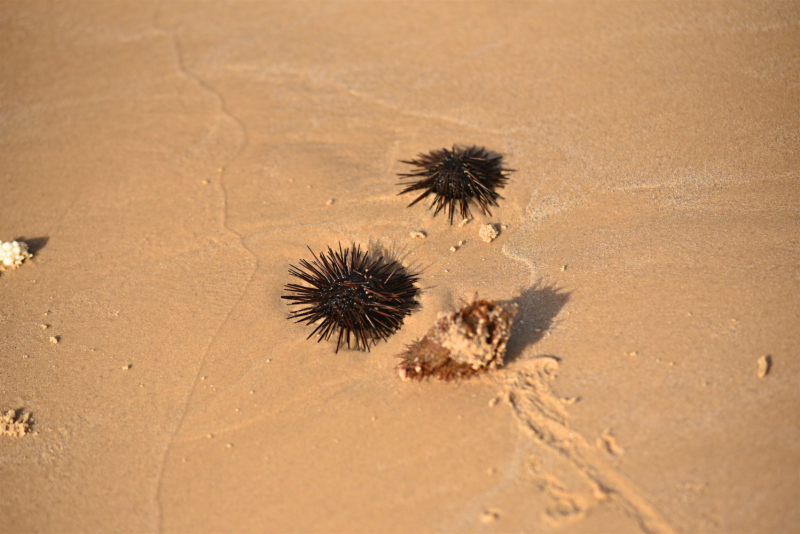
(13, 254)
(15, 424)
(489, 516)
(464, 222)
(462, 343)
(418, 234)
(54, 340)
(457, 178)
(488, 233)
(352, 293)
(609, 443)
(764, 366)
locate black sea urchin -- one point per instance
(457, 177)
(350, 292)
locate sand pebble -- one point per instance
(126, 367)
(54, 340)
(488, 233)
(14, 424)
(489, 516)
(464, 222)
(44, 326)
(330, 201)
(418, 234)
(764, 365)
(453, 249)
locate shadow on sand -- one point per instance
(35, 244)
(539, 305)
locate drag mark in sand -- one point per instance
(543, 415)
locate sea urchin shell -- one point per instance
(456, 178)
(462, 343)
(352, 293)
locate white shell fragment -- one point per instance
(12, 254)
(764, 365)
(488, 232)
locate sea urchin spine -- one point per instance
(353, 294)
(456, 178)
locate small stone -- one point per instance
(418, 234)
(453, 249)
(126, 367)
(206, 182)
(463, 223)
(489, 516)
(44, 326)
(330, 201)
(488, 233)
(54, 340)
(764, 365)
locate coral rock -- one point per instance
(462, 343)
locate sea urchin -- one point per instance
(456, 178)
(352, 293)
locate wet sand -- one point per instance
(167, 164)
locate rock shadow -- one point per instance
(35, 244)
(539, 306)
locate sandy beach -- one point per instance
(166, 162)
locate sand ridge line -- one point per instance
(231, 157)
(543, 414)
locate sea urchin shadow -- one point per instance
(352, 293)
